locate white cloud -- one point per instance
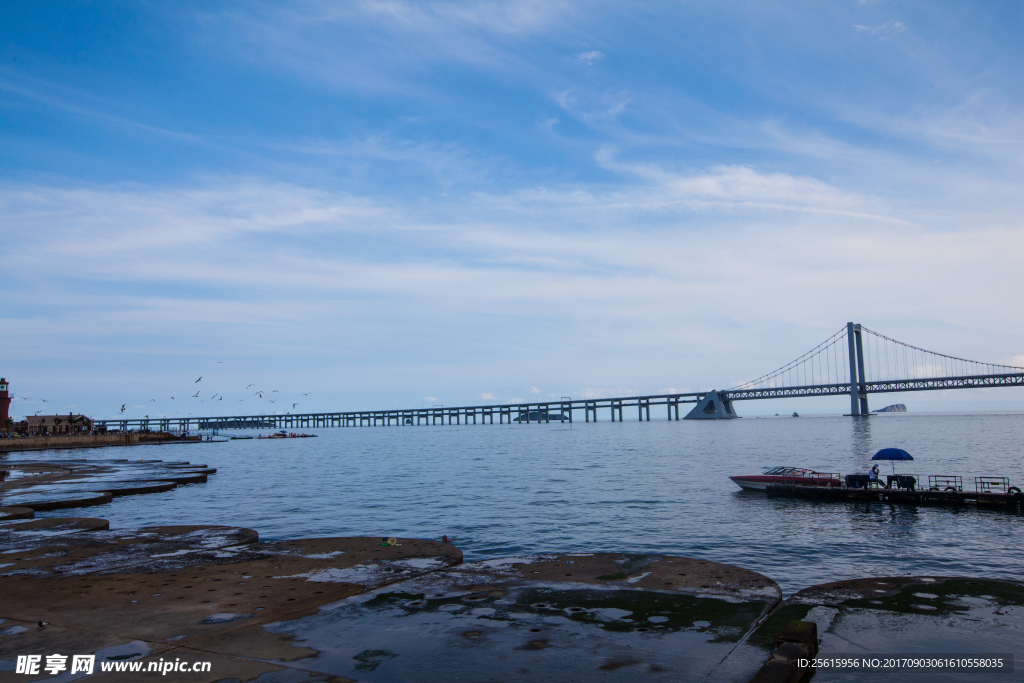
(883, 31)
(431, 399)
(488, 396)
(590, 57)
(534, 390)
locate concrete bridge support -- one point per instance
(712, 407)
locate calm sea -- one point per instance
(651, 487)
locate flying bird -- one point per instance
(198, 380)
(274, 391)
(250, 386)
(172, 398)
(195, 395)
(293, 405)
(305, 394)
(259, 393)
(273, 401)
(152, 399)
(45, 401)
(122, 407)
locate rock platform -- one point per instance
(339, 609)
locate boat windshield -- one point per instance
(785, 470)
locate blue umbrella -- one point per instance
(892, 454)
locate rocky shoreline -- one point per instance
(387, 609)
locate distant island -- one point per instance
(894, 408)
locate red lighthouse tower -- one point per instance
(5, 403)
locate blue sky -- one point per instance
(392, 204)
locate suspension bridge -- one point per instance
(855, 361)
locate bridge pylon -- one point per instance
(858, 377)
(712, 407)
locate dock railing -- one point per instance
(816, 479)
(944, 482)
(991, 484)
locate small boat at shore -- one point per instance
(786, 475)
(287, 435)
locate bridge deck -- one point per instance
(546, 411)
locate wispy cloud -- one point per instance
(883, 31)
(61, 97)
(589, 58)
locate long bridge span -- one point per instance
(855, 361)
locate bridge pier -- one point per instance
(712, 407)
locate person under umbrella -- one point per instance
(892, 455)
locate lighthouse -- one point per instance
(5, 403)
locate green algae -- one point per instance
(767, 634)
(389, 599)
(949, 593)
(612, 610)
(369, 660)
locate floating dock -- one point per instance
(1011, 501)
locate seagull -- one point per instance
(147, 417)
(198, 380)
(273, 401)
(259, 393)
(274, 391)
(122, 407)
(305, 394)
(153, 400)
(45, 401)
(249, 386)
(43, 624)
(172, 398)
(294, 404)
(221, 398)
(195, 395)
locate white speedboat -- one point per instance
(797, 476)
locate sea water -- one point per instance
(656, 487)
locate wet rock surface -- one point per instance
(553, 618)
(906, 615)
(83, 483)
(184, 590)
(341, 609)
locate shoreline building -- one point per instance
(5, 405)
(57, 424)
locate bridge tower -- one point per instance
(5, 403)
(858, 379)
